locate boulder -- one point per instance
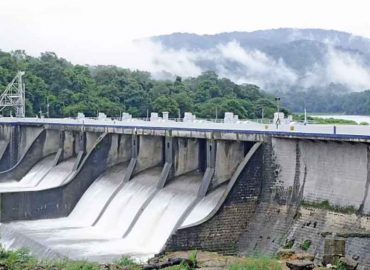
(304, 256)
(285, 253)
(348, 263)
(169, 262)
(300, 265)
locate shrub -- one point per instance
(289, 244)
(126, 261)
(257, 263)
(193, 258)
(306, 245)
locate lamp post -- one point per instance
(47, 107)
(277, 99)
(305, 114)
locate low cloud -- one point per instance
(348, 70)
(232, 61)
(256, 67)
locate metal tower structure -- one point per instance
(14, 96)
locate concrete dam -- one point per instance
(102, 189)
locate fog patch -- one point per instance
(232, 61)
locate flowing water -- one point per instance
(88, 207)
(37, 172)
(113, 222)
(61, 233)
(113, 219)
(156, 223)
(205, 206)
(43, 175)
(58, 175)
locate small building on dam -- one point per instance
(101, 189)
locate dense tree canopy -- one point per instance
(69, 89)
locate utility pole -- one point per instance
(47, 107)
(305, 116)
(277, 99)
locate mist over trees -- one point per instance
(69, 89)
(327, 101)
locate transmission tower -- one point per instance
(14, 95)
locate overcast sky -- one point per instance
(101, 31)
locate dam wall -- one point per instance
(107, 151)
(277, 189)
(47, 142)
(228, 156)
(151, 152)
(222, 231)
(188, 156)
(291, 190)
(14, 142)
(336, 172)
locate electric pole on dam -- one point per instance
(14, 95)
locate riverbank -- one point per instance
(22, 260)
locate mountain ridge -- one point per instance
(289, 62)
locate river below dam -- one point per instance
(357, 118)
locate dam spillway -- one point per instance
(105, 189)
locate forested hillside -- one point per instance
(322, 70)
(69, 89)
(318, 101)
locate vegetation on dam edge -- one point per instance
(22, 260)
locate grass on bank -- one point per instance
(325, 205)
(257, 263)
(22, 260)
(250, 263)
(326, 121)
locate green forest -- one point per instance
(69, 89)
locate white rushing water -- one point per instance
(152, 229)
(60, 234)
(37, 172)
(91, 233)
(205, 206)
(115, 220)
(88, 207)
(58, 174)
(43, 175)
